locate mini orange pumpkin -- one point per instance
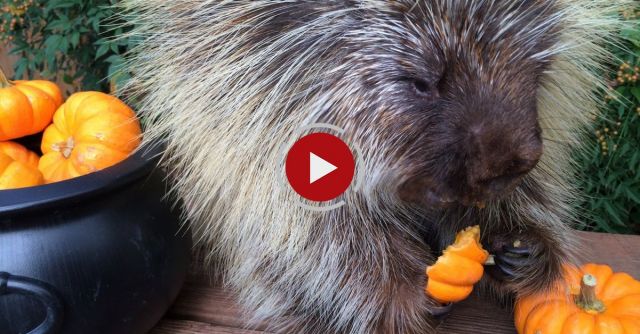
(26, 107)
(590, 299)
(16, 174)
(19, 153)
(90, 131)
(460, 266)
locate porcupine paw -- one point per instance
(510, 261)
(410, 310)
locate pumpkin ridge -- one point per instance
(565, 319)
(569, 329)
(52, 90)
(15, 174)
(101, 147)
(604, 284)
(70, 112)
(52, 168)
(72, 164)
(611, 293)
(41, 115)
(92, 139)
(539, 308)
(10, 103)
(632, 313)
(60, 121)
(632, 319)
(37, 89)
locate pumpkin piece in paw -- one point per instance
(26, 107)
(589, 299)
(90, 131)
(460, 266)
(19, 153)
(15, 174)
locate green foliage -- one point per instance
(69, 40)
(610, 165)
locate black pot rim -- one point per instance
(138, 165)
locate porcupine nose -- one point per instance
(499, 157)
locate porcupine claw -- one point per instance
(441, 312)
(509, 260)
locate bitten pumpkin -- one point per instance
(460, 266)
(90, 131)
(590, 299)
(17, 174)
(26, 107)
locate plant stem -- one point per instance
(4, 82)
(587, 299)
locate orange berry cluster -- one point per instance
(17, 9)
(606, 134)
(627, 74)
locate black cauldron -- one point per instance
(102, 253)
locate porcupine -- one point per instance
(452, 103)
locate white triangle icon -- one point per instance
(318, 168)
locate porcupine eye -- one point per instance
(425, 90)
(421, 86)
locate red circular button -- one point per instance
(320, 167)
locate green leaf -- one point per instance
(95, 24)
(20, 67)
(613, 213)
(634, 194)
(52, 45)
(115, 59)
(75, 39)
(636, 92)
(102, 50)
(60, 24)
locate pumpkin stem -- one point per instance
(4, 82)
(65, 148)
(587, 299)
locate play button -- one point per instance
(320, 167)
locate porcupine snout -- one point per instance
(484, 136)
(499, 157)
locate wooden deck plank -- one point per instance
(205, 308)
(211, 304)
(194, 327)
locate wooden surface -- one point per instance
(202, 308)
(6, 61)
